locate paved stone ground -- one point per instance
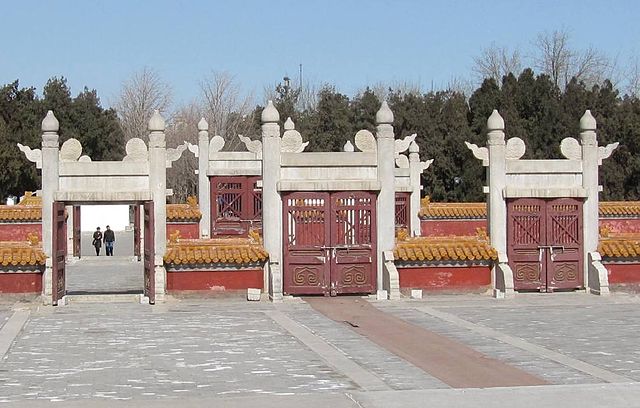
(238, 353)
(105, 274)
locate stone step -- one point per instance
(106, 298)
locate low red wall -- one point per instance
(19, 231)
(189, 230)
(621, 225)
(21, 282)
(441, 228)
(439, 278)
(215, 280)
(623, 273)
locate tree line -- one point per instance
(534, 107)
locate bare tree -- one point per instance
(633, 77)
(139, 96)
(224, 108)
(562, 63)
(496, 62)
(182, 128)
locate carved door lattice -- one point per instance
(545, 243)
(236, 205)
(329, 243)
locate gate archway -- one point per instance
(69, 178)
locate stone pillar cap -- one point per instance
(289, 125)
(413, 147)
(587, 121)
(203, 125)
(270, 114)
(156, 123)
(495, 121)
(384, 114)
(50, 123)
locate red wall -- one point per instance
(439, 278)
(215, 280)
(187, 230)
(21, 282)
(440, 228)
(19, 231)
(622, 225)
(623, 273)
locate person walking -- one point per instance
(109, 239)
(97, 240)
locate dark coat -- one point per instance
(109, 236)
(97, 239)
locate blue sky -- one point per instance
(351, 44)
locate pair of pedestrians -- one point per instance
(109, 237)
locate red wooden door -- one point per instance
(306, 238)
(59, 252)
(545, 243)
(525, 234)
(136, 231)
(564, 257)
(329, 243)
(77, 234)
(236, 205)
(353, 242)
(149, 253)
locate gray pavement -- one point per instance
(232, 353)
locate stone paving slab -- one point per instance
(123, 351)
(105, 274)
(597, 330)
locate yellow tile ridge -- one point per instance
(188, 211)
(620, 245)
(215, 250)
(449, 248)
(21, 253)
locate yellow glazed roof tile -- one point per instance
(620, 246)
(236, 251)
(21, 254)
(29, 209)
(184, 212)
(451, 248)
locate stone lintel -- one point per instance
(328, 185)
(554, 192)
(103, 196)
(329, 159)
(104, 168)
(543, 166)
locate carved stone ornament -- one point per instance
(605, 152)
(365, 141)
(216, 144)
(348, 147)
(33, 155)
(174, 154)
(403, 144)
(193, 148)
(425, 165)
(71, 150)
(402, 161)
(514, 149)
(481, 153)
(292, 142)
(570, 148)
(84, 159)
(254, 146)
(136, 150)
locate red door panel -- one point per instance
(59, 252)
(353, 242)
(149, 253)
(564, 244)
(77, 234)
(525, 228)
(306, 267)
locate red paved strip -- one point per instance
(452, 362)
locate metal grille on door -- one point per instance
(545, 243)
(329, 243)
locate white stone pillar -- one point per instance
(590, 162)
(271, 200)
(386, 206)
(497, 178)
(204, 193)
(50, 173)
(415, 171)
(158, 187)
